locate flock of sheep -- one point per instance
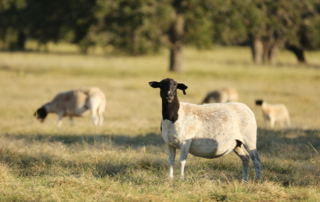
(271, 112)
(205, 130)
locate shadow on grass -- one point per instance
(25, 165)
(91, 139)
(266, 138)
(285, 154)
(46, 164)
(298, 137)
(277, 65)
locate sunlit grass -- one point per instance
(126, 159)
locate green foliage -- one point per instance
(309, 32)
(199, 25)
(134, 26)
(144, 26)
(45, 20)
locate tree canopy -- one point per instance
(144, 26)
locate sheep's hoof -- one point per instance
(244, 181)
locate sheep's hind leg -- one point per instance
(256, 162)
(172, 156)
(288, 123)
(282, 124)
(93, 105)
(244, 156)
(100, 118)
(94, 114)
(184, 150)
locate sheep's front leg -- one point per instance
(172, 156)
(265, 121)
(272, 123)
(60, 114)
(184, 150)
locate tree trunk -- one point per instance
(273, 54)
(298, 53)
(265, 54)
(176, 34)
(273, 44)
(22, 38)
(256, 49)
(176, 58)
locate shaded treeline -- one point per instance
(144, 26)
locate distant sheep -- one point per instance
(76, 102)
(273, 113)
(222, 96)
(208, 131)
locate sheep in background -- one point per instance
(222, 96)
(208, 131)
(273, 113)
(77, 102)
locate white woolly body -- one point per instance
(213, 128)
(79, 102)
(222, 96)
(275, 112)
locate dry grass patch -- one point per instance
(126, 159)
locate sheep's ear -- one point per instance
(182, 87)
(154, 84)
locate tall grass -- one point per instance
(126, 158)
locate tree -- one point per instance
(44, 20)
(267, 25)
(308, 32)
(143, 26)
(59, 19)
(13, 24)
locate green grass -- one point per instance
(126, 159)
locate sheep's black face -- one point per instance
(41, 114)
(259, 102)
(168, 88)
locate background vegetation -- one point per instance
(145, 26)
(119, 46)
(126, 158)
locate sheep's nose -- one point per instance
(169, 93)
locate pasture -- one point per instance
(126, 159)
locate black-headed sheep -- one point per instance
(208, 131)
(77, 102)
(273, 113)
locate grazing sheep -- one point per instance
(222, 96)
(76, 102)
(208, 131)
(273, 113)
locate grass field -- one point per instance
(126, 159)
